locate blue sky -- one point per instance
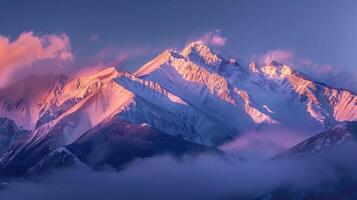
(320, 32)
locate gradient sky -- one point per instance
(321, 32)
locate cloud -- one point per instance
(260, 145)
(213, 38)
(203, 177)
(320, 69)
(43, 54)
(29, 49)
(328, 74)
(114, 57)
(279, 55)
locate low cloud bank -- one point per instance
(204, 177)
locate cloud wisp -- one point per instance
(213, 38)
(31, 54)
(114, 57)
(279, 55)
(261, 145)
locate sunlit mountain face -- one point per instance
(143, 115)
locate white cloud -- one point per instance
(278, 55)
(213, 38)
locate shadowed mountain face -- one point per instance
(114, 144)
(9, 133)
(181, 102)
(325, 141)
(111, 144)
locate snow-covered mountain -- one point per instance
(194, 94)
(210, 88)
(249, 95)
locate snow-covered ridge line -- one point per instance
(127, 78)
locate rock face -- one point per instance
(195, 94)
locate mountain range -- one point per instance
(180, 102)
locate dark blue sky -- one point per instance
(324, 32)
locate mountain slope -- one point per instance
(35, 100)
(23, 100)
(171, 114)
(74, 91)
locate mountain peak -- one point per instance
(277, 70)
(109, 71)
(155, 63)
(196, 52)
(196, 45)
(199, 52)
